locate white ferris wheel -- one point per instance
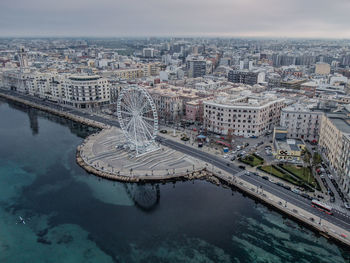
(138, 118)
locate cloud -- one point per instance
(270, 18)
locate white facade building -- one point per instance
(78, 91)
(344, 169)
(85, 91)
(301, 122)
(247, 116)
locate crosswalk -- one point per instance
(341, 210)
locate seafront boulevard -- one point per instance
(97, 161)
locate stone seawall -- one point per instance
(326, 229)
(56, 112)
(198, 174)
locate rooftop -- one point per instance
(244, 99)
(84, 78)
(341, 122)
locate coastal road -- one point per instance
(206, 157)
(337, 218)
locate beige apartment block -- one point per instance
(333, 128)
(243, 115)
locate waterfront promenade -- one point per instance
(334, 227)
(104, 153)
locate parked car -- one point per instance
(241, 167)
(265, 177)
(287, 187)
(306, 196)
(347, 205)
(294, 190)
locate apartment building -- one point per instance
(247, 115)
(196, 67)
(194, 109)
(171, 101)
(344, 165)
(151, 69)
(335, 145)
(129, 74)
(85, 91)
(246, 77)
(301, 122)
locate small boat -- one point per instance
(22, 220)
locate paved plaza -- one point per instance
(105, 152)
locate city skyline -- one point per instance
(268, 18)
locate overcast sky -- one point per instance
(261, 18)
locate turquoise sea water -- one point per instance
(71, 216)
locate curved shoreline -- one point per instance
(199, 174)
(216, 178)
(65, 115)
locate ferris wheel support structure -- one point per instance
(138, 119)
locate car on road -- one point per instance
(347, 205)
(287, 187)
(294, 190)
(306, 196)
(233, 158)
(265, 177)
